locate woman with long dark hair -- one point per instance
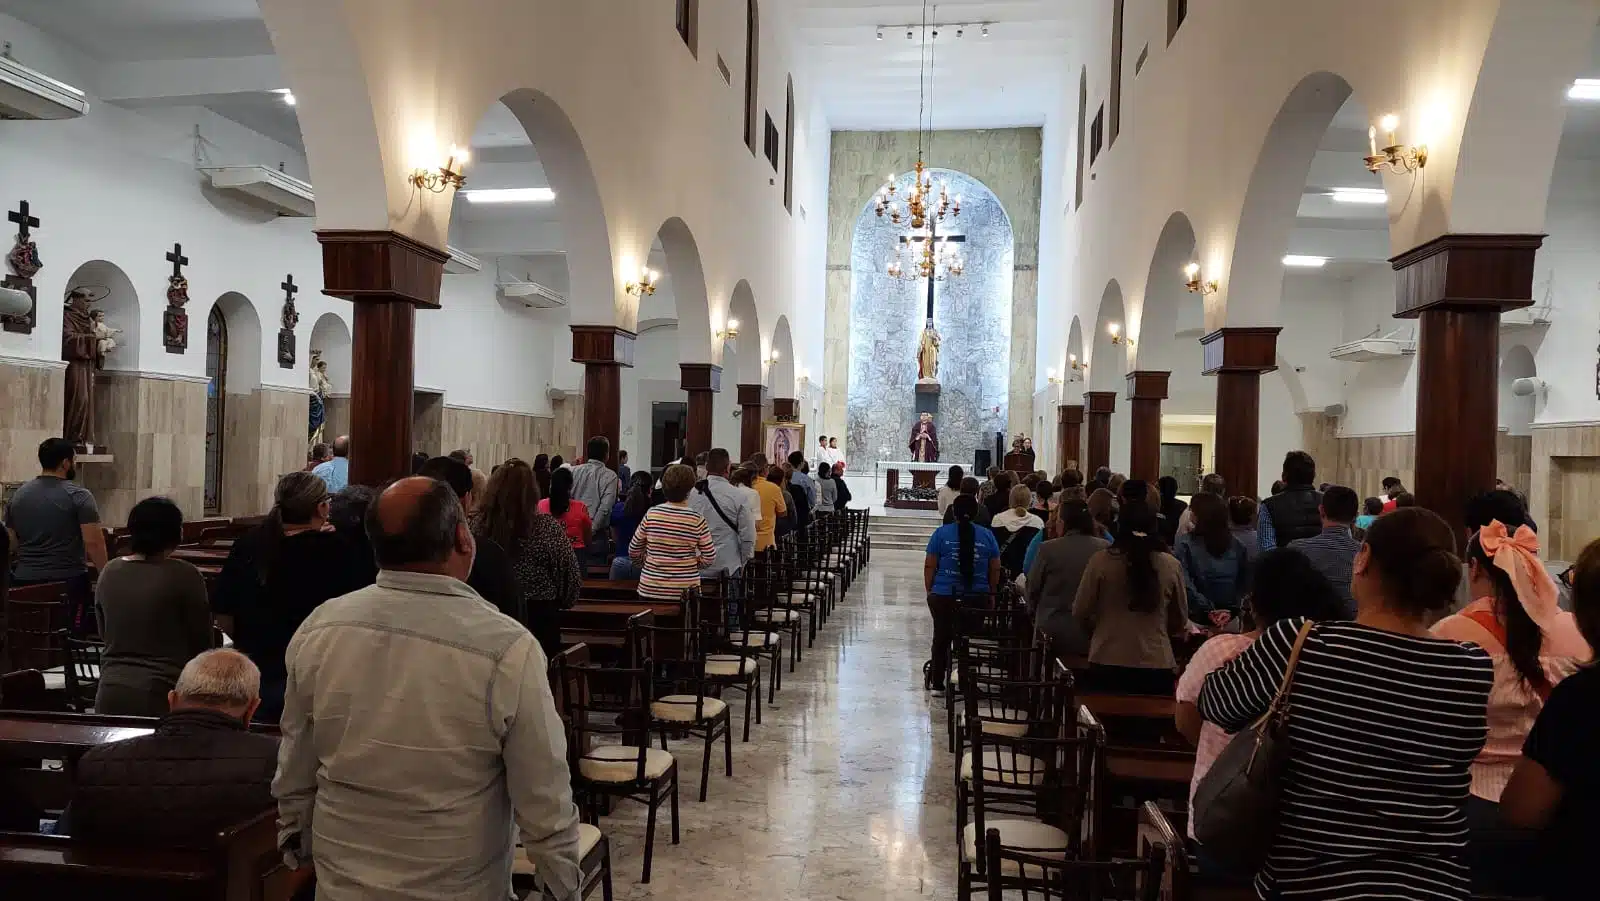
(1216, 566)
(277, 574)
(1534, 645)
(951, 489)
(1131, 604)
(827, 491)
(962, 567)
(541, 472)
(625, 517)
(542, 559)
(572, 514)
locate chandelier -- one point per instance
(922, 207)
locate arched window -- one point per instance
(1115, 124)
(788, 149)
(688, 23)
(752, 76)
(216, 399)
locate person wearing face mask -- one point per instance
(388, 781)
(54, 525)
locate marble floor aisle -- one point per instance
(841, 792)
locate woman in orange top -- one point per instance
(1534, 645)
(773, 505)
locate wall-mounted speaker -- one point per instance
(1335, 410)
(1527, 387)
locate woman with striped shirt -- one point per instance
(672, 543)
(1384, 723)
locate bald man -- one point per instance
(418, 723)
(336, 472)
(200, 772)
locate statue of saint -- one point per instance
(928, 355)
(925, 440)
(321, 386)
(81, 348)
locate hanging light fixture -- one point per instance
(923, 207)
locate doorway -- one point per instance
(1184, 463)
(668, 424)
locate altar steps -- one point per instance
(908, 533)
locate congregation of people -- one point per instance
(362, 622)
(1442, 737)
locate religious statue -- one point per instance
(81, 348)
(105, 335)
(928, 355)
(924, 440)
(24, 257)
(25, 264)
(290, 318)
(321, 386)
(174, 320)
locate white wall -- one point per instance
(1565, 352)
(1381, 395)
(475, 348)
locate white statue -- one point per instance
(105, 337)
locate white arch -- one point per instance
(1517, 413)
(331, 336)
(1163, 293)
(782, 370)
(746, 366)
(686, 270)
(121, 308)
(244, 342)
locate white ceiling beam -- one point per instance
(1340, 243)
(168, 81)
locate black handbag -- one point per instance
(1236, 804)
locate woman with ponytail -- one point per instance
(962, 569)
(277, 574)
(1534, 645)
(1131, 603)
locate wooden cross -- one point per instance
(178, 260)
(290, 289)
(23, 220)
(934, 236)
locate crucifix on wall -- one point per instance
(291, 318)
(25, 263)
(175, 321)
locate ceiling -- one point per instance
(127, 30)
(1015, 76)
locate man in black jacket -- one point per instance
(201, 771)
(1295, 512)
(492, 576)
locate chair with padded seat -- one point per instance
(728, 666)
(756, 635)
(82, 673)
(680, 705)
(613, 703)
(594, 864)
(1012, 868)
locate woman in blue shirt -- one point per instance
(962, 569)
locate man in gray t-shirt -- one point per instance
(55, 523)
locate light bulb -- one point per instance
(1050, 373)
(1072, 358)
(1192, 270)
(1115, 329)
(733, 325)
(1389, 122)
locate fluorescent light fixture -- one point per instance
(509, 195)
(1304, 261)
(1372, 196)
(1584, 89)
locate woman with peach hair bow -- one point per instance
(1534, 644)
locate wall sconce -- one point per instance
(1115, 330)
(1394, 156)
(1074, 365)
(729, 331)
(1191, 280)
(447, 176)
(646, 284)
(1050, 376)
(772, 356)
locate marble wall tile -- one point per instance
(569, 436)
(264, 436)
(33, 399)
(1564, 487)
(1008, 163)
(427, 424)
(154, 428)
(493, 437)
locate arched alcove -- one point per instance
(233, 370)
(1076, 363)
(686, 271)
(1517, 411)
(780, 352)
(742, 364)
(330, 338)
(971, 314)
(1164, 296)
(120, 306)
(1110, 368)
(243, 370)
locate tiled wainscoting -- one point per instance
(1565, 489)
(155, 429)
(264, 436)
(33, 395)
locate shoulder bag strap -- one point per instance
(1288, 673)
(705, 489)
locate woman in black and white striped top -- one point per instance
(1384, 723)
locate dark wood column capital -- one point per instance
(387, 275)
(1098, 407)
(700, 377)
(785, 408)
(1069, 436)
(1238, 356)
(753, 401)
(604, 350)
(1146, 390)
(1457, 286)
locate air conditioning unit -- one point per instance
(1375, 347)
(26, 94)
(461, 263)
(530, 293)
(1526, 317)
(1335, 410)
(265, 187)
(15, 302)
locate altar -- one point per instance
(923, 491)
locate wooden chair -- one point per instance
(24, 690)
(680, 705)
(83, 673)
(1049, 876)
(629, 768)
(752, 638)
(729, 666)
(36, 631)
(594, 865)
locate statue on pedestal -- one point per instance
(81, 348)
(928, 355)
(321, 386)
(925, 440)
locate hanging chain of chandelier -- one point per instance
(922, 207)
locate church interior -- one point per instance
(1150, 251)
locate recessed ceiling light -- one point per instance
(880, 34)
(1360, 195)
(509, 195)
(286, 94)
(986, 31)
(1584, 89)
(1304, 261)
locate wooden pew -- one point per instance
(242, 864)
(604, 629)
(1137, 769)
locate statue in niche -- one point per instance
(81, 348)
(290, 319)
(105, 335)
(928, 355)
(321, 387)
(924, 443)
